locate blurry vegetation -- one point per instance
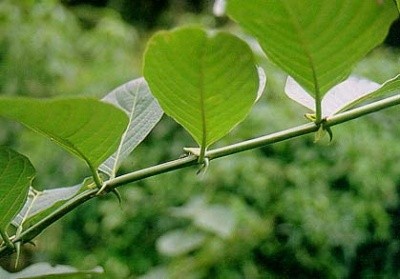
(294, 209)
(146, 14)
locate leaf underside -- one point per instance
(207, 83)
(315, 42)
(340, 97)
(343, 96)
(40, 203)
(87, 128)
(143, 111)
(16, 174)
(388, 88)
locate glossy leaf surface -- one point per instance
(16, 174)
(143, 112)
(87, 128)
(316, 42)
(206, 82)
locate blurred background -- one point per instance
(293, 209)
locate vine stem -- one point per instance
(191, 160)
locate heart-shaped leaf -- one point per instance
(316, 42)
(88, 128)
(16, 175)
(207, 82)
(144, 113)
(343, 96)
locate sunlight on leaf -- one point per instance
(144, 113)
(87, 128)
(206, 82)
(315, 42)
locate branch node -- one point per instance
(323, 128)
(204, 161)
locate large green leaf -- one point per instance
(88, 128)
(144, 113)
(316, 42)
(16, 175)
(398, 5)
(207, 82)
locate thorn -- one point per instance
(328, 129)
(101, 190)
(118, 195)
(322, 131)
(114, 191)
(204, 161)
(204, 166)
(17, 246)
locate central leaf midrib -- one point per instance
(304, 45)
(202, 103)
(124, 135)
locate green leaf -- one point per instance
(144, 113)
(87, 128)
(207, 82)
(315, 42)
(390, 86)
(45, 270)
(398, 5)
(16, 175)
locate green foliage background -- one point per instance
(299, 208)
